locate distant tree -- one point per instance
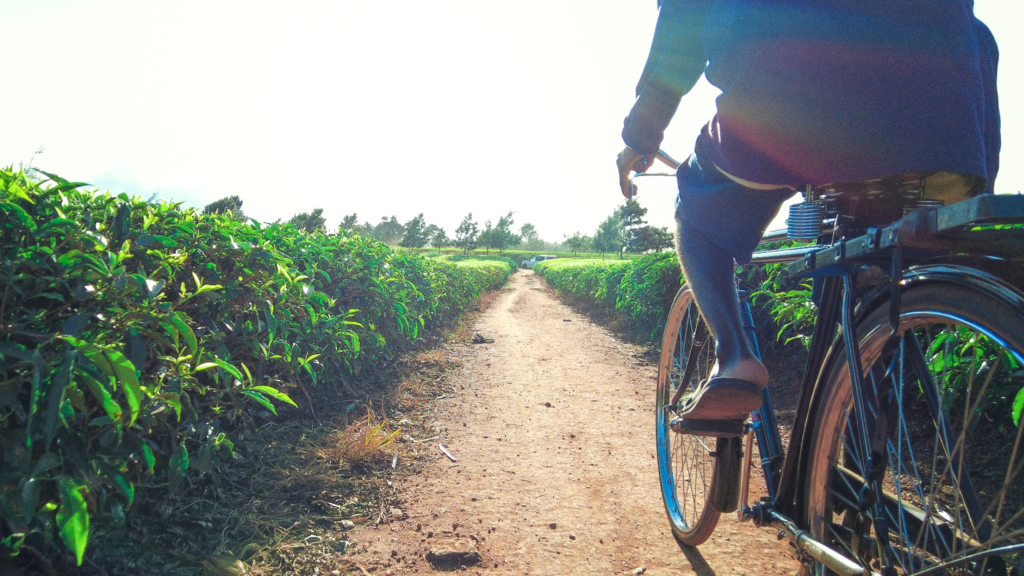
(228, 203)
(577, 243)
(310, 222)
(350, 222)
(389, 231)
(364, 229)
(466, 233)
(439, 239)
(608, 237)
(531, 239)
(415, 235)
(632, 215)
(504, 237)
(649, 238)
(430, 230)
(488, 237)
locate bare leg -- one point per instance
(710, 273)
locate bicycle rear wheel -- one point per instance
(686, 464)
(944, 393)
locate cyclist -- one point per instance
(813, 92)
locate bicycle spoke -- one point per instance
(1010, 480)
(952, 486)
(685, 462)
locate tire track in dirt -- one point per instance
(552, 427)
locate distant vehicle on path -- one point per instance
(534, 260)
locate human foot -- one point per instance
(749, 369)
(722, 399)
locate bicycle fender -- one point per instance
(992, 276)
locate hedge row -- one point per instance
(136, 336)
(640, 290)
(518, 256)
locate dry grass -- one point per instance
(365, 440)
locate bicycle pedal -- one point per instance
(714, 428)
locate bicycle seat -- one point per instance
(873, 203)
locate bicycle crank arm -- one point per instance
(805, 544)
(743, 513)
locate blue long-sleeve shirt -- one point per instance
(823, 91)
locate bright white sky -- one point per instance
(381, 108)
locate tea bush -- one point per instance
(136, 336)
(640, 290)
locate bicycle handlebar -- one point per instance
(665, 159)
(668, 160)
(770, 256)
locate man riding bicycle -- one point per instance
(813, 93)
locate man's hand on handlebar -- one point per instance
(630, 160)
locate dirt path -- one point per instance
(552, 429)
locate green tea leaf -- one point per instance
(93, 353)
(261, 399)
(18, 191)
(73, 517)
(46, 462)
(19, 214)
(207, 288)
(30, 497)
(178, 465)
(275, 394)
(1018, 407)
(76, 398)
(229, 368)
(129, 382)
(186, 332)
(102, 393)
(271, 324)
(147, 456)
(173, 399)
(171, 330)
(119, 480)
(38, 370)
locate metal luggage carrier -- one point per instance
(964, 227)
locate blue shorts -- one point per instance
(732, 216)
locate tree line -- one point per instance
(415, 233)
(625, 230)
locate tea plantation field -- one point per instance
(137, 338)
(640, 290)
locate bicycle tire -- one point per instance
(944, 502)
(686, 467)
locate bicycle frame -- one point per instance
(780, 479)
(836, 297)
(834, 264)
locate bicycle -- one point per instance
(879, 476)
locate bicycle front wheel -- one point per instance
(686, 463)
(941, 413)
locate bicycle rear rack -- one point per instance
(966, 227)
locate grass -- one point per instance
(365, 440)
